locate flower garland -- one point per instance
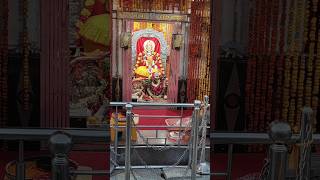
(201, 60)
(295, 51)
(25, 54)
(273, 46)
(302, 70)
(280, 65)
(260, 60)
(312, 79)
(316, 83)
(249, 74)
(288, 65)
(204, 63)
(260, 64)
(255, 63)
(311, 55)
(4, 63)
(268, 71)
(294, 81)
(160, 5)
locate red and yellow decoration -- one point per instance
(198, 79)
(198, 73)
(166, 28)
(283, 72)
(160, 5)
(94, 25)
(148, 59)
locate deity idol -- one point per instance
(148, 62)
(157, 87)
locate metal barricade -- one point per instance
(60, 143)
(193, 148)
(280, 136)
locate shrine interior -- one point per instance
(159, 77)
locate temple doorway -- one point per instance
(153, 58)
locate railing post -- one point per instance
(60, 146)
(128, 141)
(20, 163)
(204, 166)
(116, 139)
(195, 126)
(306, 139)
(280, 133)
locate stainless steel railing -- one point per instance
(193, 151)
(60, 144)
(278, 138)
(61, 140)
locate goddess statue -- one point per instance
(150, 83)
(157, 87)
(148, 62)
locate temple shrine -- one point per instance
(162, 80)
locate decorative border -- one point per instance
(151, 16)
(150, 33)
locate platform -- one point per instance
(158, 174)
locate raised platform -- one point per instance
(158, 174)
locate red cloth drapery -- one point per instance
(143, 39)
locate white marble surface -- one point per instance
(181, 173)
(140, 174)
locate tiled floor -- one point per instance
(156, 137)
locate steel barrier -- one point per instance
(279, 136)
(193, 150)
(60, 143)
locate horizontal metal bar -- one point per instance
(251, 138)
(154, 126)
(156, 138)
(136, 104)
(43, 134)
(172, 146)
(93, 172)
(170, 127)
(155, 116)
(218, 174)
(149, 167)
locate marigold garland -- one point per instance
(199, 51)
(288, 65)
(297, 74)
(151, 6)
(4, 63)
(279, 85)
(273, 45)
(250, 69)
(25, 54)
